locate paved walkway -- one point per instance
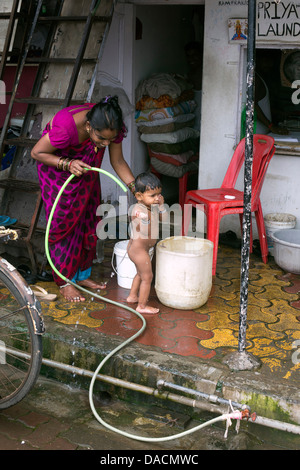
(210, 332)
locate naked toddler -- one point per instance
(145, 216)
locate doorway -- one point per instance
(161, 34)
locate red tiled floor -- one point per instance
(170, 330)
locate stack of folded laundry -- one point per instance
(165, 118)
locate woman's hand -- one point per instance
(78, 167)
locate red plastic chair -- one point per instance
(218, 202)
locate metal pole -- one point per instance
(245, 251)
(242, 360)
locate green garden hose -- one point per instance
(223, 417)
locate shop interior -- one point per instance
(278, 70)
(167, 52)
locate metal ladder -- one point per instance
(62, 23)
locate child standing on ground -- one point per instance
(145, 216)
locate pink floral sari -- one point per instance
(72, 237)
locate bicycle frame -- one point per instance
(33, 304)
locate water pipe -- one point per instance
(209, 405)
(234, 414)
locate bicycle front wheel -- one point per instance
(21, 326)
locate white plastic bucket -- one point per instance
(275, 222)
(124, 267)
(183, 277)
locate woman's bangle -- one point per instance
(66, 164)
(60, 162)
(131, 187)
(162, 211)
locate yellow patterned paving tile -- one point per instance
(281, 306)
(286, 343)
(268, 277)
(230, 273)
(273, 292)
(294, 335)
(264, 347)
(286, 322)
(231, 286)
(73, 313)
(215, 305)
(219, 281)
(256, 314)
(219, 291)
(235, 284)
(218, 319)
(252, 299)
(222, 338)
(82, 319)
(259, 330)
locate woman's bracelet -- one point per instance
(60, 162)
(64, 164)
(131, 187)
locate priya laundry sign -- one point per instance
(278, 21)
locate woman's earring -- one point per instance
(88, 130)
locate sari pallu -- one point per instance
(72, 235)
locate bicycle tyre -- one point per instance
(21, 327)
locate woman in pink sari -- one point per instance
(74, 140)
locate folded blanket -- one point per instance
(171, 137)
(175, 149)
(173, 170)
(166, 125)
(164, 101)
(186, 107)
(159, 84)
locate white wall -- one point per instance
(220, 94)
(220, 114)
(115, 76)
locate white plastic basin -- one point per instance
(287, 250)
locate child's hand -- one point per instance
(161, 202)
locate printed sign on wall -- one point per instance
(277, 22)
